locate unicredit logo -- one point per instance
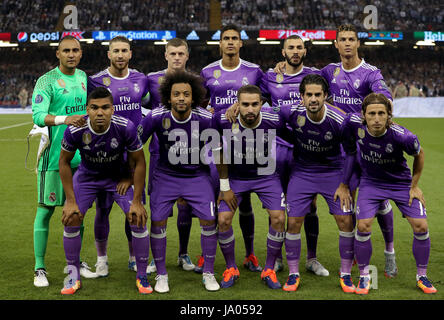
(22, 37)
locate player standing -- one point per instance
(129, 89)
(59, 99)
(103, 143)
(350, 81)
(283, 91)
(178, 174)
(386, 175)
(176, 55)
(249, 148)
(317, 169)
(222, 79)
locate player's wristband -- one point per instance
(224, 184)
(58, 120)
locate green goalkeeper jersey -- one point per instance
(58, 94)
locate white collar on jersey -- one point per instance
(381, 135)
(117, 78)
(97, 133)
(295, 74)
(323, 117)
(258, 124)
(178, 121)
(230, 70)
(355, 68)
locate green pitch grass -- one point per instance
(18, 206)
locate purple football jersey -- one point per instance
(381, 158)
(102, 154)
(251, 151)
(348, 88)
(318, 145)
(154, 81)
(283, 89)
(179, 141)
(222, 84)
(129, 92)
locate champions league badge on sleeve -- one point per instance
(38, 98)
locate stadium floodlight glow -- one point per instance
(270, 42)
(53, 44)
(7, 44)
(374, 43)
(160, 43)
(261, 39)
(394, 40)
(87, 40)
(425, 43)
(213, 42)
(322, 42)
(104, 43)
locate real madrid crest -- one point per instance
(301, 121)
(245, 81)
(328, 136)
(361, 133)
(357, 83)
(216, 73)
(235, 128)
(106, 81)
(136, 87)
(166, 123)
(160, 80)
(389, 148)
(86, 138)
(114, 144)
(279, 78)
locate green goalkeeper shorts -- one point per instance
(50, 189)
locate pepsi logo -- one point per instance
(22, 37)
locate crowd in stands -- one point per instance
(408, 72)
(43, 15)
(328, 14)
(33, 15)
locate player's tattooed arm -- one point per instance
(70, 209)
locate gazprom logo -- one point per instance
(22, 37)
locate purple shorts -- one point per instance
(284, 158)
(197, 191)
(372, 197)
(88, 188)
(303, 188)
(269, 191)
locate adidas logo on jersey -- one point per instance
(216, 83)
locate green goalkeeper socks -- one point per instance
(41, 232)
